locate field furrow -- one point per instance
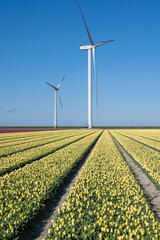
(23, 191)
(148, 159)
(106, 201)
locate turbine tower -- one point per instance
(90, 48)
(56, 89)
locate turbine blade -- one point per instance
(102, 43)
(51, 85)
(60, 99)
(94, 61)
(89, 36)
(60, 83)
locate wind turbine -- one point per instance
(56, 89)
(90, 48)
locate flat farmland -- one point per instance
(104, 200)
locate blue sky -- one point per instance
(39, 41)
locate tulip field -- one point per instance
(106, 201)
(146, 157)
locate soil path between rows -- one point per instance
(37, 228)
(149, 188)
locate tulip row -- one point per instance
(21, 147)
(31, 136)
(153, 134)
(23, 191)
(147, 158)
(27, 140)
(14, 161)
(148, 141)
(106, 201)
(21, 135)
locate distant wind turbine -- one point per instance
(89, 48)
(56, 89)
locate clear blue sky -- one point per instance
(39, 41)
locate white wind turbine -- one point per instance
(90, 48)
(56, 89)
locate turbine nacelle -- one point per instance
(87, 47)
